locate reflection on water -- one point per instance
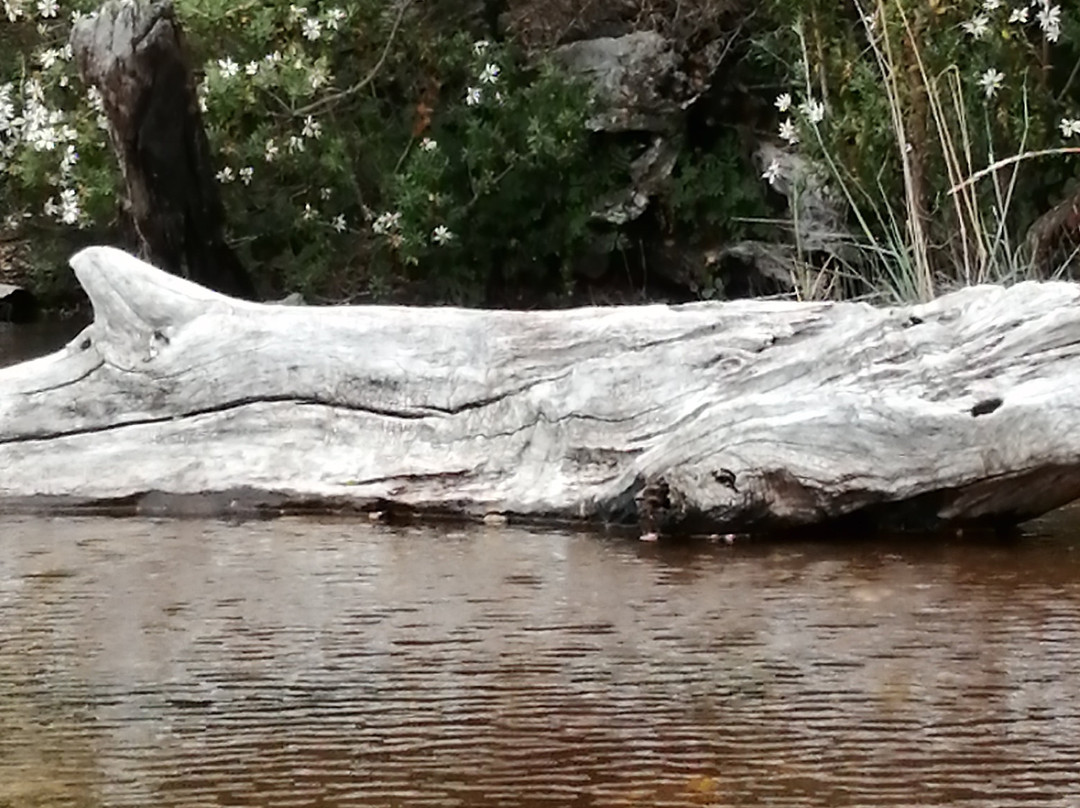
(303, 663)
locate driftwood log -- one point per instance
(714, 416)
(132, 51)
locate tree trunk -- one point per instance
(705, 417)
(132, 52)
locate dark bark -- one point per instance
(132, 52)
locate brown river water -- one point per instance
(305, 662)
(328, 662)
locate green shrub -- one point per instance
(715, 190)
(357, 146)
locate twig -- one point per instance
(1008, 161)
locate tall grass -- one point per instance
(896, 254)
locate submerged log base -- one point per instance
(132, 52)
(713, 417)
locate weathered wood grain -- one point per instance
(714, 416)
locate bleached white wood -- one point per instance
(754, 413)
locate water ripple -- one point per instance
(325, 663)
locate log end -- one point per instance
(129, 295)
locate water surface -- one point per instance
(21, 342)
(331, 663)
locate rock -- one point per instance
(632, 76)
(819, 213)
(648, 174)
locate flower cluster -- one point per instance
(483, 86)
(1044, 13)
(29, 125)
(486, 80)
(1047, 14)
(812, 111)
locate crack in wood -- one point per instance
(62, 385)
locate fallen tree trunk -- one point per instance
(713, 416)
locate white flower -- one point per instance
(93, 97)
(318, 76)
(992, 5)
(8, 122)
(1019, 15)
(246, 174)
(473, 96)
(296, 144)
(49, 57)
(490, 74)
(296, 12)
(783, 102)
(427, 144)
(13, 9)
(338, 223)
(35, 91)
(225, 175)
(272, 58)
(309, 213)
(334, 18)
(251, 68)
(70, 158)
(311, 29)
(69, 206)
(977, 26)
(312, 128)
(45, 139)
(1050, 21)
(480, 46)
(270, 150)
(788, 132)
(386, 222)
(442, 235)
(1070, 127)
(325, 194)
(48, 8)
(772, 173)
(814, 110)
(991, 81)
(51, 209)
(228, 67)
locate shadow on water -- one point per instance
(334, 663)
(29, 341)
